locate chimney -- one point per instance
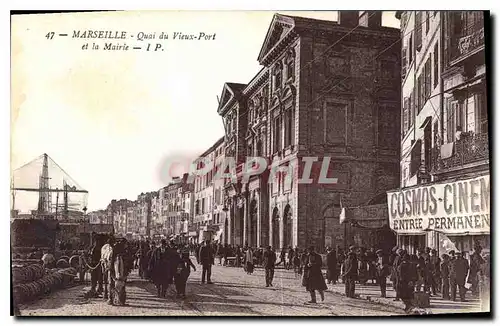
(348, 18)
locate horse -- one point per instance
(114, 272)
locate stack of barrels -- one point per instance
(32, 281)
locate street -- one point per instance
(233, 293)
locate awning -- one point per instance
(368, 217)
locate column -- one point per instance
(282, 231)
(259, 218)
(245, 219)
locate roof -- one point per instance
(213, 147)
(230, 92)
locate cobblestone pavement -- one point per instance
(233, 293)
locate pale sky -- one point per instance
(111, 118)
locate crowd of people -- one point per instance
(167, 263)
(423, 272)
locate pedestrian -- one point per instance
(475, 267)
(435, 271)
(421, 272)
(95, 266)
(225, 253)
(269, 260)
(206, 259)
(445, 277)
(350, 273)
(340, 261)
(406, 281)
(283, 258)
(459, 267)
(331, 264)
(396, 254)
(249, 261)
(362, 267)
(484, 284)
(158, 265)
(238, 256)
(296, 263)
(314, 279)
(182, 273)
(289, 258)
(220, 253)
(371, 258)
(382, 271)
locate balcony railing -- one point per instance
(470, 40)
(471, 148)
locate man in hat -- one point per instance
(206, 259)
(475, 266)
(445, 277)
(158, 265)
(331, 263)
(407, 275)
(394, 272)
(382, 265)
(459, 267)
(269, 259)
(435, 271)
(350, 272)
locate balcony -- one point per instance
(469, 41)
(470, 151)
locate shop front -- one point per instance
(368, 227)
(448, 215)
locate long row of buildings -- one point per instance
(380, 105)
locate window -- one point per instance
(428, 79)
(289, 127)
(334, 117)
(290, 64)
(416, 157)
(453, 119)
(411, 109)
(403, 63)
(418, 30)
(277, 134)
(406, 114)
(436, 65)
(277, 77)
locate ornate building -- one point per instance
(326, 90)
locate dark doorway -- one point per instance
(276, 229)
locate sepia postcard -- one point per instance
(250, 163)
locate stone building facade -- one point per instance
(326, 90)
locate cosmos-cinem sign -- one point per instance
(458, 207)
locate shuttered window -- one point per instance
(418, 30)
(436, 65)
(403, 63)
(406, 114)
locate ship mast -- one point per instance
(44, 201)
